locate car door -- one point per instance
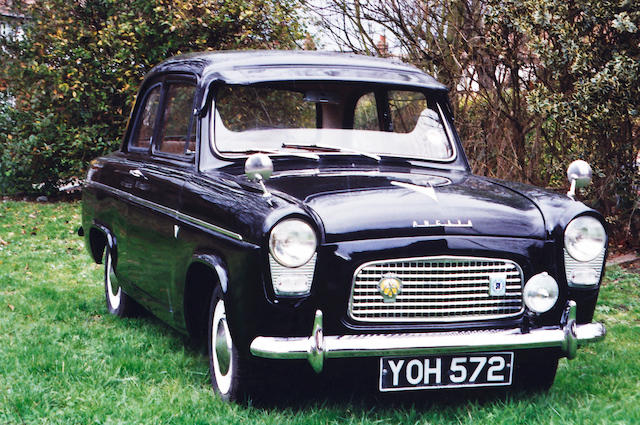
(152, 226)
(126, 181)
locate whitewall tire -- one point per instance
(118, 302)
(227, 368)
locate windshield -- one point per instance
(330, 119)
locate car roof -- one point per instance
(257, 66)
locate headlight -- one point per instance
(292, 242)
(584, 238)
(541, 293)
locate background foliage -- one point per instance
(70, 81)
(587, 93)
(535, 84)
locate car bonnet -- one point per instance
(374, 205)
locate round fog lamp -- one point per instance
(541, 293)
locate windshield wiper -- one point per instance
(276, 152)
(330, 148)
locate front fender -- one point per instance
(101, 237)
(217, 265)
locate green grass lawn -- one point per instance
(64, 360)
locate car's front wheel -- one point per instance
(118, 302)
(228, 369)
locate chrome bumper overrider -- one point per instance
(318, 347)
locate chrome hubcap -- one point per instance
(221, 349)
(113, 297)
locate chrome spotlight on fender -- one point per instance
(259, 167)
(579, 174)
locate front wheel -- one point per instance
(228, 369)
(118, 302)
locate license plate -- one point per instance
(450, 371)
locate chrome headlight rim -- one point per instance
(292, 242)
(585, 238)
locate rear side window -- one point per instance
(175, 135)
(147, 119)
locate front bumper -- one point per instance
(316, 348)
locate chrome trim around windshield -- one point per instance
(169, 211)
(449, 132)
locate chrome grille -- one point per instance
(436, 289)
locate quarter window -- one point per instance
(147, 119)
(175, 129)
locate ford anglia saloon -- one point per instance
(319, 206)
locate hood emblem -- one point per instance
(425, 190)
(389, 287)
(442, 223)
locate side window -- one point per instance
(147, 119)
(366, 113)
(176, 134)
(406, 108)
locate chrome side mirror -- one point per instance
(259, 167)
(579, 174)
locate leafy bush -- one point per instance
(588, 92)
(72, 77)
(535, 84)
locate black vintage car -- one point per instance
(306, 205)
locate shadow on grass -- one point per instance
(353, 384)
(343, 384)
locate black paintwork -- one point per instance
(359, 212)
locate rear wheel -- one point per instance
(118, 302)
(228, 369)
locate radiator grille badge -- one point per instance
(497, 284)
(389, 287)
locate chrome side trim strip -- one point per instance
(209, 226)
(169, 211)
(318, 347)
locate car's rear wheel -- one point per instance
(228, 369)
(118, 302)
